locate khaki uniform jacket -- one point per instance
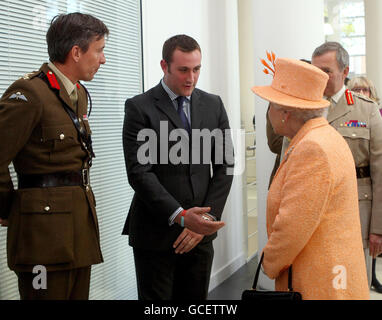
(57, 226)
(365, 143)
(312, 218)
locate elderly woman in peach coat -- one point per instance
(313, 222)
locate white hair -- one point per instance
(304, 114)
(308, 114)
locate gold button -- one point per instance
(87, 188)
(47, 209)
(353, 135)
(62, 136)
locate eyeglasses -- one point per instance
(361, 89)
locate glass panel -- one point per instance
(345, 23)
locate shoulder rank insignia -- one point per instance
(349, 97)
(52, 80)
(17, 96)
(361, 96)
(28, 76)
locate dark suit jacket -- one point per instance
(161, 188)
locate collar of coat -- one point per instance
(63, 93)
(307, 127)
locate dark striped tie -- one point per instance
(182, 115)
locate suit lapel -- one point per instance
(65, 97)
(196, 110)
(164, 103)
(337, 110)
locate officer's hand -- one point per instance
(187, 241)
(3, 222)
(375, 245)
(194, 221)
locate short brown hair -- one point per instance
(182, 42)
(68, 30)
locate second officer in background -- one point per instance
(358, 120)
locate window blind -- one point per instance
(23, 26)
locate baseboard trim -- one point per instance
(226, 271)
(252, 257)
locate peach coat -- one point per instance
(313, 218)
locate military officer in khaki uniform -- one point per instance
(44, 131)
(358, 120)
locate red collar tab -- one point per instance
(349, 97)
(78, 85)
(52, 80)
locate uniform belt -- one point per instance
(363, 172)
(59, 179)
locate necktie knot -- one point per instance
(180, 101)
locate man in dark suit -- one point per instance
(171, 218)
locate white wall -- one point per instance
(373, 25)
(214, 25)
(292, 29)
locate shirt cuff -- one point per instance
(173, 216)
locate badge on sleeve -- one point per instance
(18, 96)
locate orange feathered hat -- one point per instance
(295, 84)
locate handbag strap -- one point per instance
(290, 288)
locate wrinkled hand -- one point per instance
(187, 241)
(375, 245)
(3, 222)
(193, 220)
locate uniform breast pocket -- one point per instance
(46, 231)
(60, 138)
(358, 139)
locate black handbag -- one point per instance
(262, 295)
